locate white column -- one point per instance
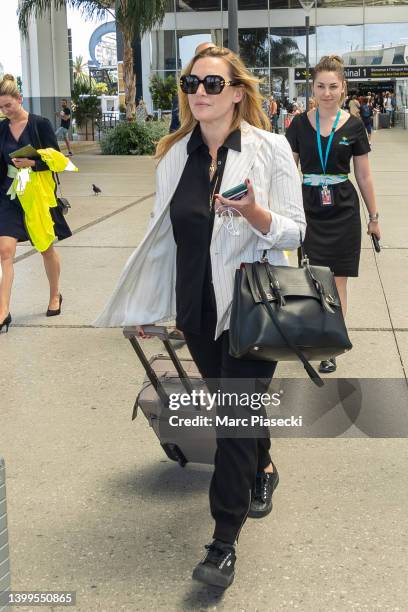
(45, 64)
(146, 70)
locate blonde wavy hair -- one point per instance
(248, 109)
(332, 63)
(8, 87)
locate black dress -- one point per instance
(11, 212)
(333, 235)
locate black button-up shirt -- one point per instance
(192, 217)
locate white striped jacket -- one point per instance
(146, 289)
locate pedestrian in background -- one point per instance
(62, 132)
(273, 114)
(378, 103)
(366, 112)
(389, 105)
(354, 106)
(175, 121)
(17, 130)
(191, 253)
(325, 140)
(312, 104)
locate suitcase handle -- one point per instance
(162, 333)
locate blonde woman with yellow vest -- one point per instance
(18, 129)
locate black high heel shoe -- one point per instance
(54, 313)
(6, 323)
(328, 366)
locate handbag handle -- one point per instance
(303, 262)
(313, 375)
(302, 257)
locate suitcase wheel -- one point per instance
(174, 453)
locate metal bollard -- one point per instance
(4, 547)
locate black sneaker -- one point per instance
(328, 366)
(217, 567)
(261, 501)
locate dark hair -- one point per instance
(64, 100)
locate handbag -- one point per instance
(62, 202)
(284, 313)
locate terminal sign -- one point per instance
(364, 72)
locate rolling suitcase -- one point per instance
(4, 548)
(167, 375)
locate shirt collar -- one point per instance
(233, 141)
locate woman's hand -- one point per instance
(246, 205)
(141, 332)
(23, 162)
(374, 228)
(256, 215)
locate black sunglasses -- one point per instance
(213, 84)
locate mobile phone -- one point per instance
(236, 193)
(376, 243)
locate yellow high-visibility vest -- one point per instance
(35, 191)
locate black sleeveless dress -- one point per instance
(333, 235)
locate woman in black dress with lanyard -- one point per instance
(17, 130)
(325, 140)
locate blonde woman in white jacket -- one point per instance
(185, 266)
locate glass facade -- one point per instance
(272, 46)
(188, 6)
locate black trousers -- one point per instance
(237, 460)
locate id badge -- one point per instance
(326, 197)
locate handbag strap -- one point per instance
(54, 174)
(308, 367)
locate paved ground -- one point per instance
(95, 506)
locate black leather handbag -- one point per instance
(63, 203)
(283, 313)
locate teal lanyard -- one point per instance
(319, 139)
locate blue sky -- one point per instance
(10, 55)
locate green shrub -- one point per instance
(85, 109)
(133, 138)
(162, 91)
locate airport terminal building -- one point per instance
(370, 35)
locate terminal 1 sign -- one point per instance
(363, 72)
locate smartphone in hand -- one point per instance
(236, 193)
(376, 243)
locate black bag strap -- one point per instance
(54, 174)
(308, 367)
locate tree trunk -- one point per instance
(129, 76)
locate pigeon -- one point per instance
(96, 189)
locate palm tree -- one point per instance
(285, 52)
(78, 69)
(133, 17)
